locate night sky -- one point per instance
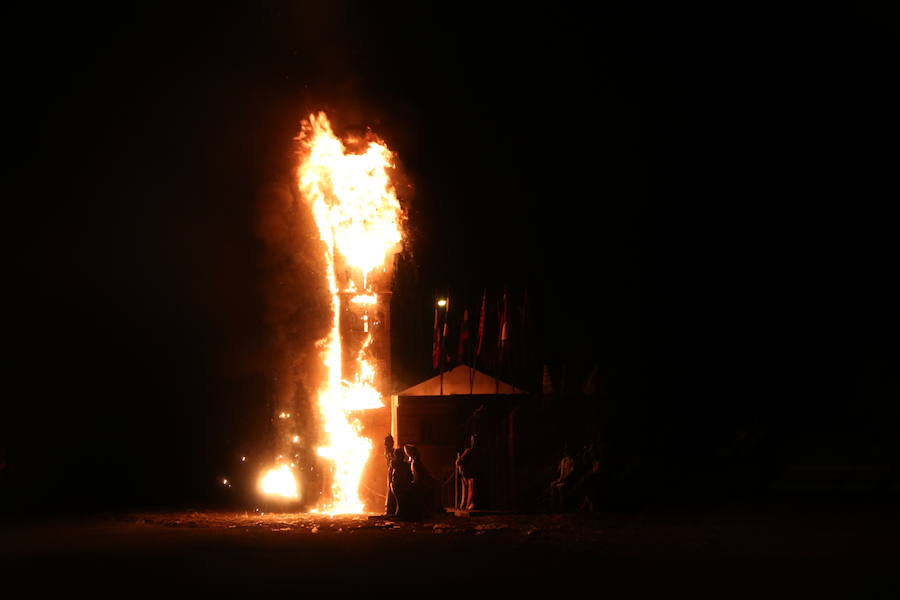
(699, 204)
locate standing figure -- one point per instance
(401, 484)
(468, 465)
(425, 495)
(561, 487)
(390, 502)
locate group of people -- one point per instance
(578, 484)
(412, 492)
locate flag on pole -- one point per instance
(436, 342)
(463, 337)
(504, 327)
(481, 324)
(523, 334)
(547, 381)
(444, 350)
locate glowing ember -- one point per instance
(368, 299)
(357, 214)
(280, 481)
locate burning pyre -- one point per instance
(347, 185)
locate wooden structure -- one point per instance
(440, 424)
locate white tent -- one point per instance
(457, 381)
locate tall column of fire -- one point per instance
(347, 185)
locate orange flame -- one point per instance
(353, 200)
(280, 481)
(368, 299)
(357, 214)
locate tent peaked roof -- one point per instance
(456, 381)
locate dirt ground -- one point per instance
(728, 552)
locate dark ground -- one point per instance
(782, 547)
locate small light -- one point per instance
(296, 439)
(224, 482)
(442, 303)
(243, 459)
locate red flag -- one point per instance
(502, 337)
(463, 337)
(436, 342)
(522, 359)
(444, 350)
(481, 324)
(525, 326)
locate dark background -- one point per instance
(697, 203)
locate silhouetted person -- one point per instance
(390, 502)
(560, 487)
(401, 484)
(425, 496)
(586, 490)
(470, 470)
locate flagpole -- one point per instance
(464, 344)
(443, 338)
(477, 350)
(472, 374)
(472, 371)
(437, 343)
(499, 370)
(502, 336)
(524, 362)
